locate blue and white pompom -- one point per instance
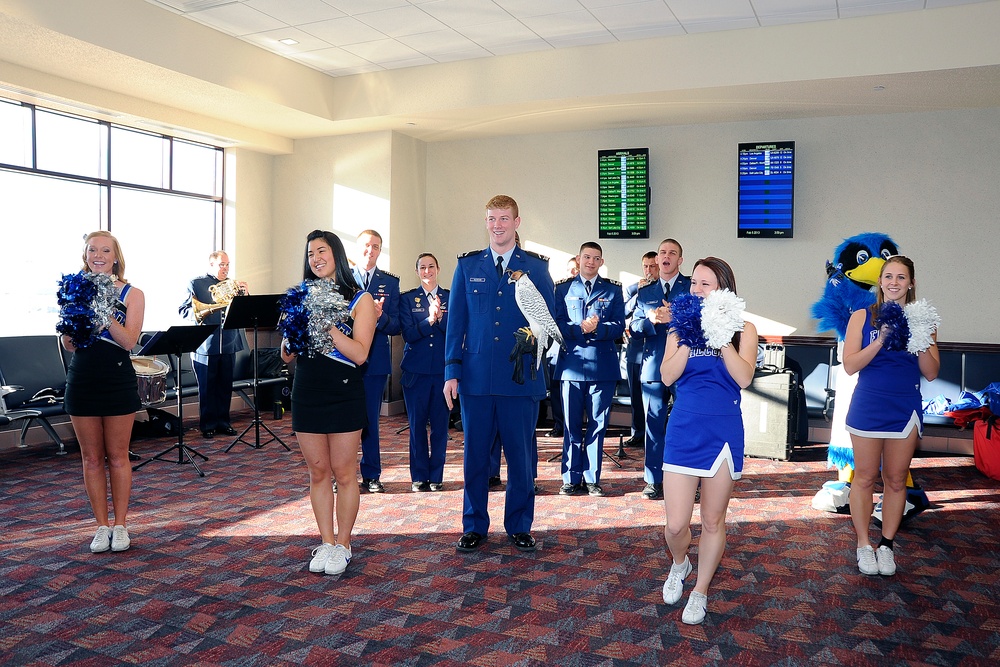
(309, 310)
(721, 317)
(923, 320)
(894, 330)
(685, 320)
(86, 304)
(294, 322)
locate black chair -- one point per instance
(33, 370)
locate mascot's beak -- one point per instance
(514, 276)
(868, 272)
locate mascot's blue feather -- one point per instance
(685, 321)
(897, 333)
(841, 457)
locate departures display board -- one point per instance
(766, 179)
(623, 193)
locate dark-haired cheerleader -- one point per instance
(328, 325)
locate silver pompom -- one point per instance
(923, 320)
(104, 301)
(327, 308)
(721, 317)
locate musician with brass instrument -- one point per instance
(208, 298)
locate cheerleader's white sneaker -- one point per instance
(694, 610)
(120, 541)
(886, 561)
(101, 541)
(320, 555)
(339, 558)
(673, 587)
(866, 560)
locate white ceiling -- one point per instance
(441, 70)
(344, 37)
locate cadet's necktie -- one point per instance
(666, 292)
(368, 277)
(499, 267)
(588, 285)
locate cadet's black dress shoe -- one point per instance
(523, 541)
(554, 433)
(470, 542)
(570, 489)
(635, 441)
(595, 490)
(495, 482)
(653, 491)
(372, 485)
(227, 430)
(421, 486)
(208, 433)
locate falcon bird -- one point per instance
(532, 306)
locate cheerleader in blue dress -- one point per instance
(889, 354)
(704, 438)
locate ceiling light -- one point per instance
(289, 41)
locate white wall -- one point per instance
(341, 184)
(249, 236)
(929, 180)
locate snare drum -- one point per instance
(152, 376)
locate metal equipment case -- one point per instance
(769, 407)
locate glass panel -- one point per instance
(197, 168)
(139, 157)
(15, 134)
(71, 145)
(46, 220)
(162, 263)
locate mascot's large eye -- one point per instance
(863, 257)
(888, 250)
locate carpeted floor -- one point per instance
(217, 571)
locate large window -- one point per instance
(63, 176)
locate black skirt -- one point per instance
(327, 396)
(101, 382)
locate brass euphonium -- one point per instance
(222, 293)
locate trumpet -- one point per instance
(223, 294)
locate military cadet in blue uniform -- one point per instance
(482, 323)
(423, 316)
(649, 324)
(633, 352)
(384, 288)
(590, 312)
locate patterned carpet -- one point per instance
(217, 571)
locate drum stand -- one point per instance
(246, 312)
(177, 341)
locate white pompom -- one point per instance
(923, 320)
(721, 317)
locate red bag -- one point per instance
(986, 447)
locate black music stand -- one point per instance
(254, 312)
(177, 341)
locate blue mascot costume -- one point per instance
(852, 278)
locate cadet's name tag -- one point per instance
(477, 280)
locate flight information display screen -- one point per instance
(623, 193)
(767, 174)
